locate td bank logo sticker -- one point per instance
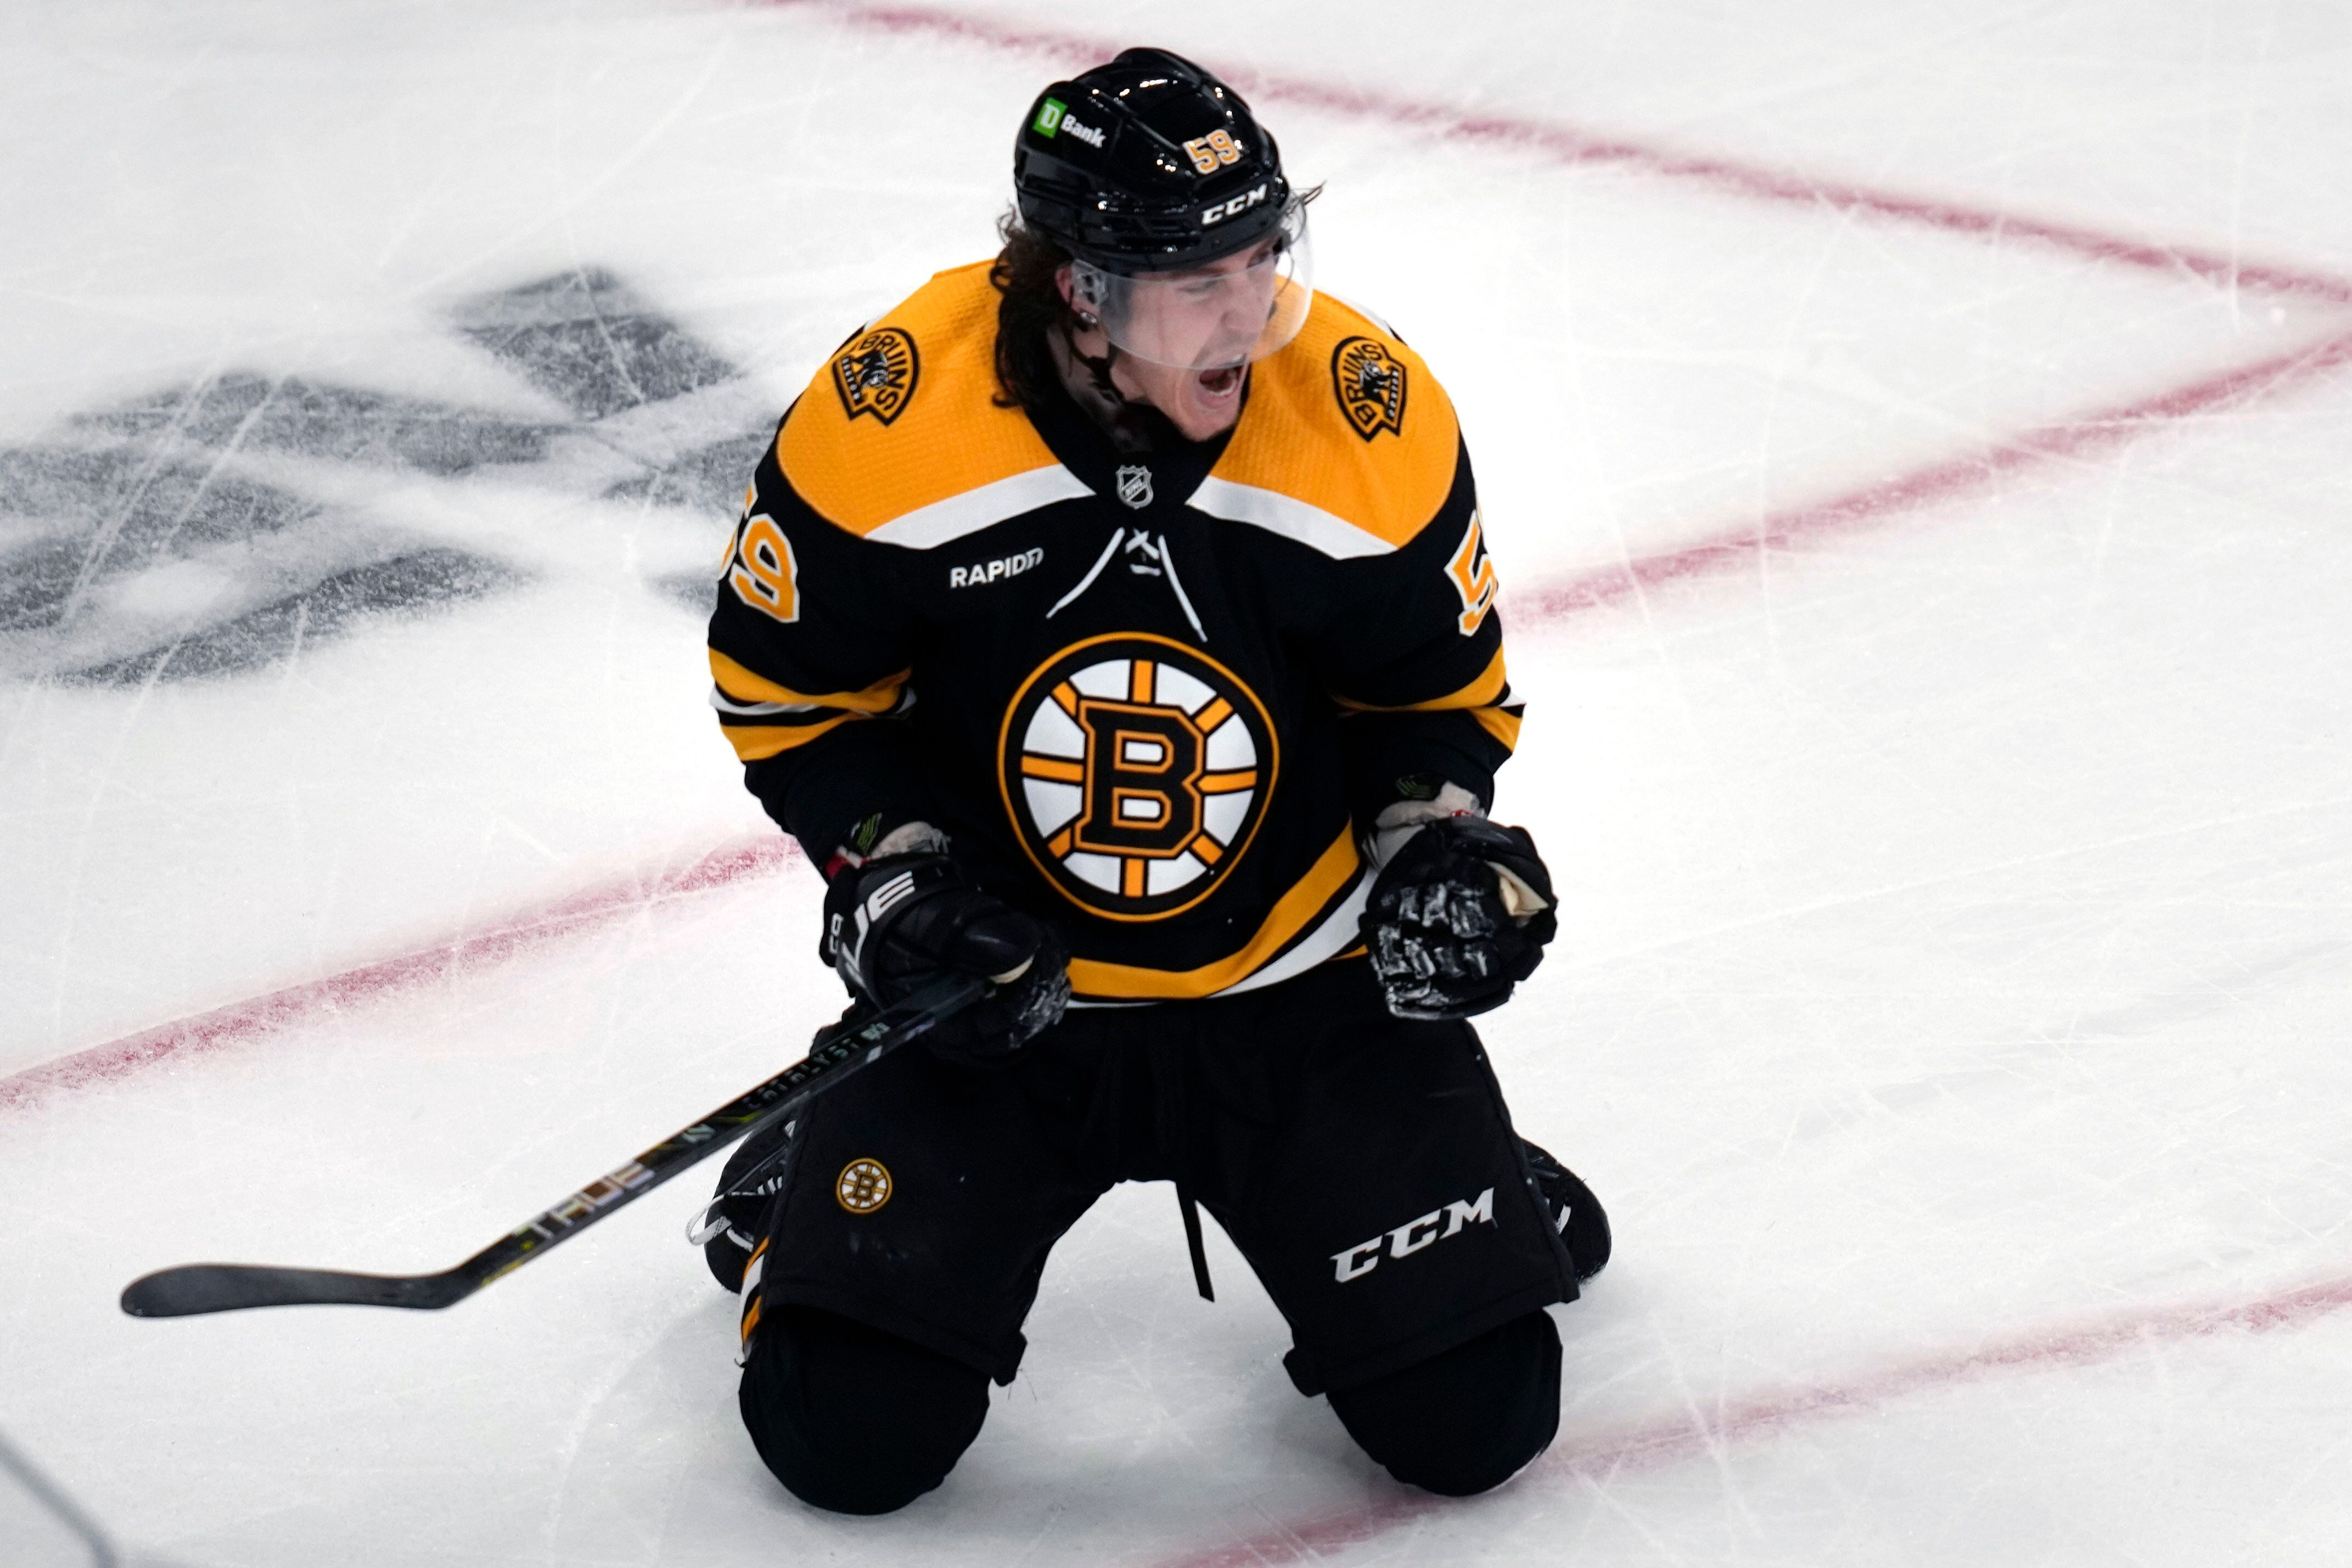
(863, 1187)
(1136, 771)
(877, 374)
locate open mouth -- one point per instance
(1223, 382)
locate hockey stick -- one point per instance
(839, 1052)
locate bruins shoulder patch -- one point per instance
(876, 373)
(1136, 771)
(1371, 384)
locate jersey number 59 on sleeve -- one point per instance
(1472, 572)
(762, 571)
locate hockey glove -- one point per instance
(1458, 917)
(893, 923)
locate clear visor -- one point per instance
(1231, 311)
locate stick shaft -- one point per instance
(195, 1288)
(829, 1060)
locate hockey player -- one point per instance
(1185, 565)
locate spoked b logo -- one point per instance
(1136, 771)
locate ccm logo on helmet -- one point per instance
(1221, 210)
(1413, 1236)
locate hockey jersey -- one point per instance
(1153, 698)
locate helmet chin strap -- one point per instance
(1097, 368)
(1133, 425)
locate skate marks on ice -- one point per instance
(187, 535)
(41, 1526)
(1492, 124)
(331, 423)
(477, 947)
(674, 424)
(585, 340)
(1701, 1433)
(151, 560)
(1794, 530)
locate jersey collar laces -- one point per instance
(1147, 556)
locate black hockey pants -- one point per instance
(1364, 1165)
(857, 1421)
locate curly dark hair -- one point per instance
(1029, 305)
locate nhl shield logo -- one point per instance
(877, 374)
(1136, 771)
(1135, 487)
(1370, 383)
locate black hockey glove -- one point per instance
(1458, 917)
(893, 923)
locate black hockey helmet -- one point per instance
(1188, 246)
(1146, 164)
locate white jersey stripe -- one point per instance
(928, 528)
(1286, 515)
(1334, 934)
(726, 704)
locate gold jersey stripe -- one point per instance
(1500, 723)
(757, 742)
(1035, 767)
(1294, 440)
(1485, 689)
(1216, 713)
(1291, 914)
(948, 439)
(745, 687)
(1229, 783)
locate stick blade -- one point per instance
(197, 1288)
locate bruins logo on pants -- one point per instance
(864, 1185)
(1136, 771)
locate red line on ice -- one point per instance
(1569, 144)
(1600, 1456)
(466, 953)
(1940, 481)
(1541, 602)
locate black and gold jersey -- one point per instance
(1153, 696)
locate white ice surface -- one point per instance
(1956, 933)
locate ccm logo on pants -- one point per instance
(1413, 1235)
